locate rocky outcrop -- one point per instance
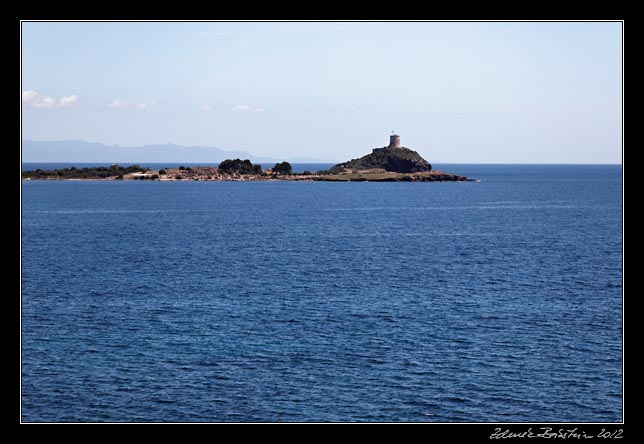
(395, 160)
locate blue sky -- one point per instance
(455, 92)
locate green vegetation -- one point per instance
(162, 172)
(283, 168)
(238, 166)
(115, 171)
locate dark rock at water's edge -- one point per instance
(392, 159)
(379, 175)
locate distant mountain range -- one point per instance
(84, 152)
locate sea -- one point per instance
(492, 301)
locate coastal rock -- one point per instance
(391, 159)
(393, 163)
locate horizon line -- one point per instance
(324, 163)
(251, 154)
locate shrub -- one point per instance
(239, 166)
(283, 168)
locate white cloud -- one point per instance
(67, 101)
(251, 108)
(241, 108)
(34, 100)
(205, 108)
(45, 102)
(145, 105)
(29, 97)
(118, 104)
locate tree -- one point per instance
(239, 166)
(162, 172)
(283, 168)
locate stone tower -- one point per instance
(394, 141)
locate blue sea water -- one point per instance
(490, 301)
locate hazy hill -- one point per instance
(82, 151)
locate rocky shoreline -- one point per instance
(205, 173)
(384, 176)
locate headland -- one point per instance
(392, 163)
